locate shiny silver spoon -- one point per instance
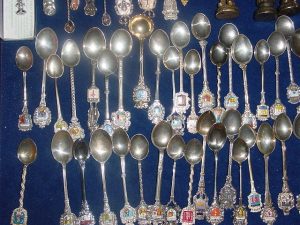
(121, 146)
(121, 46)
(296, 131)
(262, 55)
(55, 69)
(266, 142)
(70, 56)
(193, 155)
(201, 29)
(81, 152)
(139, 150)
(175, 151)
(61, 147)
(27, 153)
(93, 44)
(69, 25)
(158, 43)
(283, 130)
(24, 61)
(106, 19)
(277, 45)
(101, 150)
(46, 44)
(192, 66)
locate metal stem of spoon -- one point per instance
(123, 175)
(60, 124)
(105, 196)
(141, 181)
(172, 194)
(219, 110)
(106, 92)
(106, 19)
(159, 176)
(262, 93)
(215, 200)
(69, 25)
(192, 95)
(22, 192)
(66, 195)
(121, 107)
(25, 100)
(241, 187)
(82, 174)
(191, 185)
(158, 72)
(90, 8)
(203, 45)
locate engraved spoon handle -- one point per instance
(159, 176)
(191, 185)
(262, 93)
(141, 180)
(25, 101)
(192, 95)
(158, 72)
(201, 185)
(120, 74)
(288, 48)
(123, 175)
(67, 202)
(59, 114)
(22, 192)
(268, 200)
(105, 197)
(172, 195)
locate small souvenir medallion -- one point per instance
(182, 102)
(157, 214)
(156, 112)
(68, 218)
(201, 206)
(42, 116)
(191, 123)
(276, 109)
(108, 218)
(128, 215)
(249, 118)
(268, 215)
(187, 216)
(19, 217)
(108, 127)
(124, 9)
(142, 214)
(141, 96)
(148, 6)
(240, 215)
(172, 214)
(206, 100)
(293, 93)
(218, 112)
(93, 95)
(231, 101)
(262, 112)
(215, 214)
(286, 202)
(60, 125)
(25, 122)
(121, 119)
(254, 202)
(76, 130)
(170, 10)
(86, 217)
(177, 122)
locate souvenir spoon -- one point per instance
(81, 152)
(201, 29)
(158, 43)
(242, 52)
(121, 45)
(101, 150)
(69, 25)
(296, 131)
(148, 6)
(218, 56)
(46, 44)
(277, 45)
(192, 66)
(216, 139)
(121, 146)
(249, 136)
(283, 130)
(180, 37)
(124, 9)
(266, 142)
(175, 151)
(232, 121)
(139, 150)
(27, 153)
(193, 155)
(141, 27)
(227, 34)
(90, 8)
(70, 56)
(200, 199)
(160, 136)
(106, 19)
(107, 64)
(24, 61)
(55, 69)
(285, 25)
(93, 44)
(171, 62)
(240, 153)
(262, 55)
(61, 147)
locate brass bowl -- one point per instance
(141, 26)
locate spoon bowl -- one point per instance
(81, 150)
(107, 62)
(286, 26)
(27, 151)
(61, 147)
(296, 126)
(121, 142)
(200, 26)
(70, 53)
(139, 147)
(161, 135)
(176, 147)
(218, 54)
(205, 122)
(192, 62)
(54, 67)
(121, 43)
(159, 42)
(232, 121)
(262, 51)
(46, 43)
(171, 58)
(193, 151)
(24, 58)
(248, 134)
(277, 43)
(240, 151)
(94, 43)
(242, 50)
(227, 34)
(101, 145)
(216, 137)
(295, 43)
(265, 139)
(283, 127)
(141, 26)
(180, 35)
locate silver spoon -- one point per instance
(180, 37)
(216, 139)
(175, 151)
(69, 25)
(121, 146)
(81, 152)
(101, 150)
(193, 155)
(285, 25)
(227, 34)
(277, 45)
(70, 56)
(107, 64)
(242, 52)
(171, 60)
(283, 130)
(27, 153)
(139, 150)
(160, 136)
(192, 66)
(218, 56)
(201, 29)
(90, 9)
(158, 43)
(262, 55)
(266, 142)
(24, 61)
(46, 44)
(55, 69)
(232, 121)
(249, 136)
(61, 147)
(93, 44)
(106, 19)
(121, 46)
(240, 153)
(200, 199)
(296, 131)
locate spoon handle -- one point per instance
(123, 175)
(251, 173)
(201, 185)
(216, 175)
(173, 90)
(192, 95)
(241, 187)
(219, 74)
(284, 167)
(229, 172)
(288, 48)
(277, 73)
(191, 185)
(43, 92)
(230, 71)
(59, 114)
(120, 74)
(172, 195)
(181, 70)
(268, 200)
(203, 45)
(141, 77)
(262, 93)
(25, 100)
(158, 72)
(83, 189)
(159, 176)
(67, 202)
(105, 197)
(94, 64)
(247, 104)
(141, 180)
(73, 96)
(106, 92)
(22, 192)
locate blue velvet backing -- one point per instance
(44, 188)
